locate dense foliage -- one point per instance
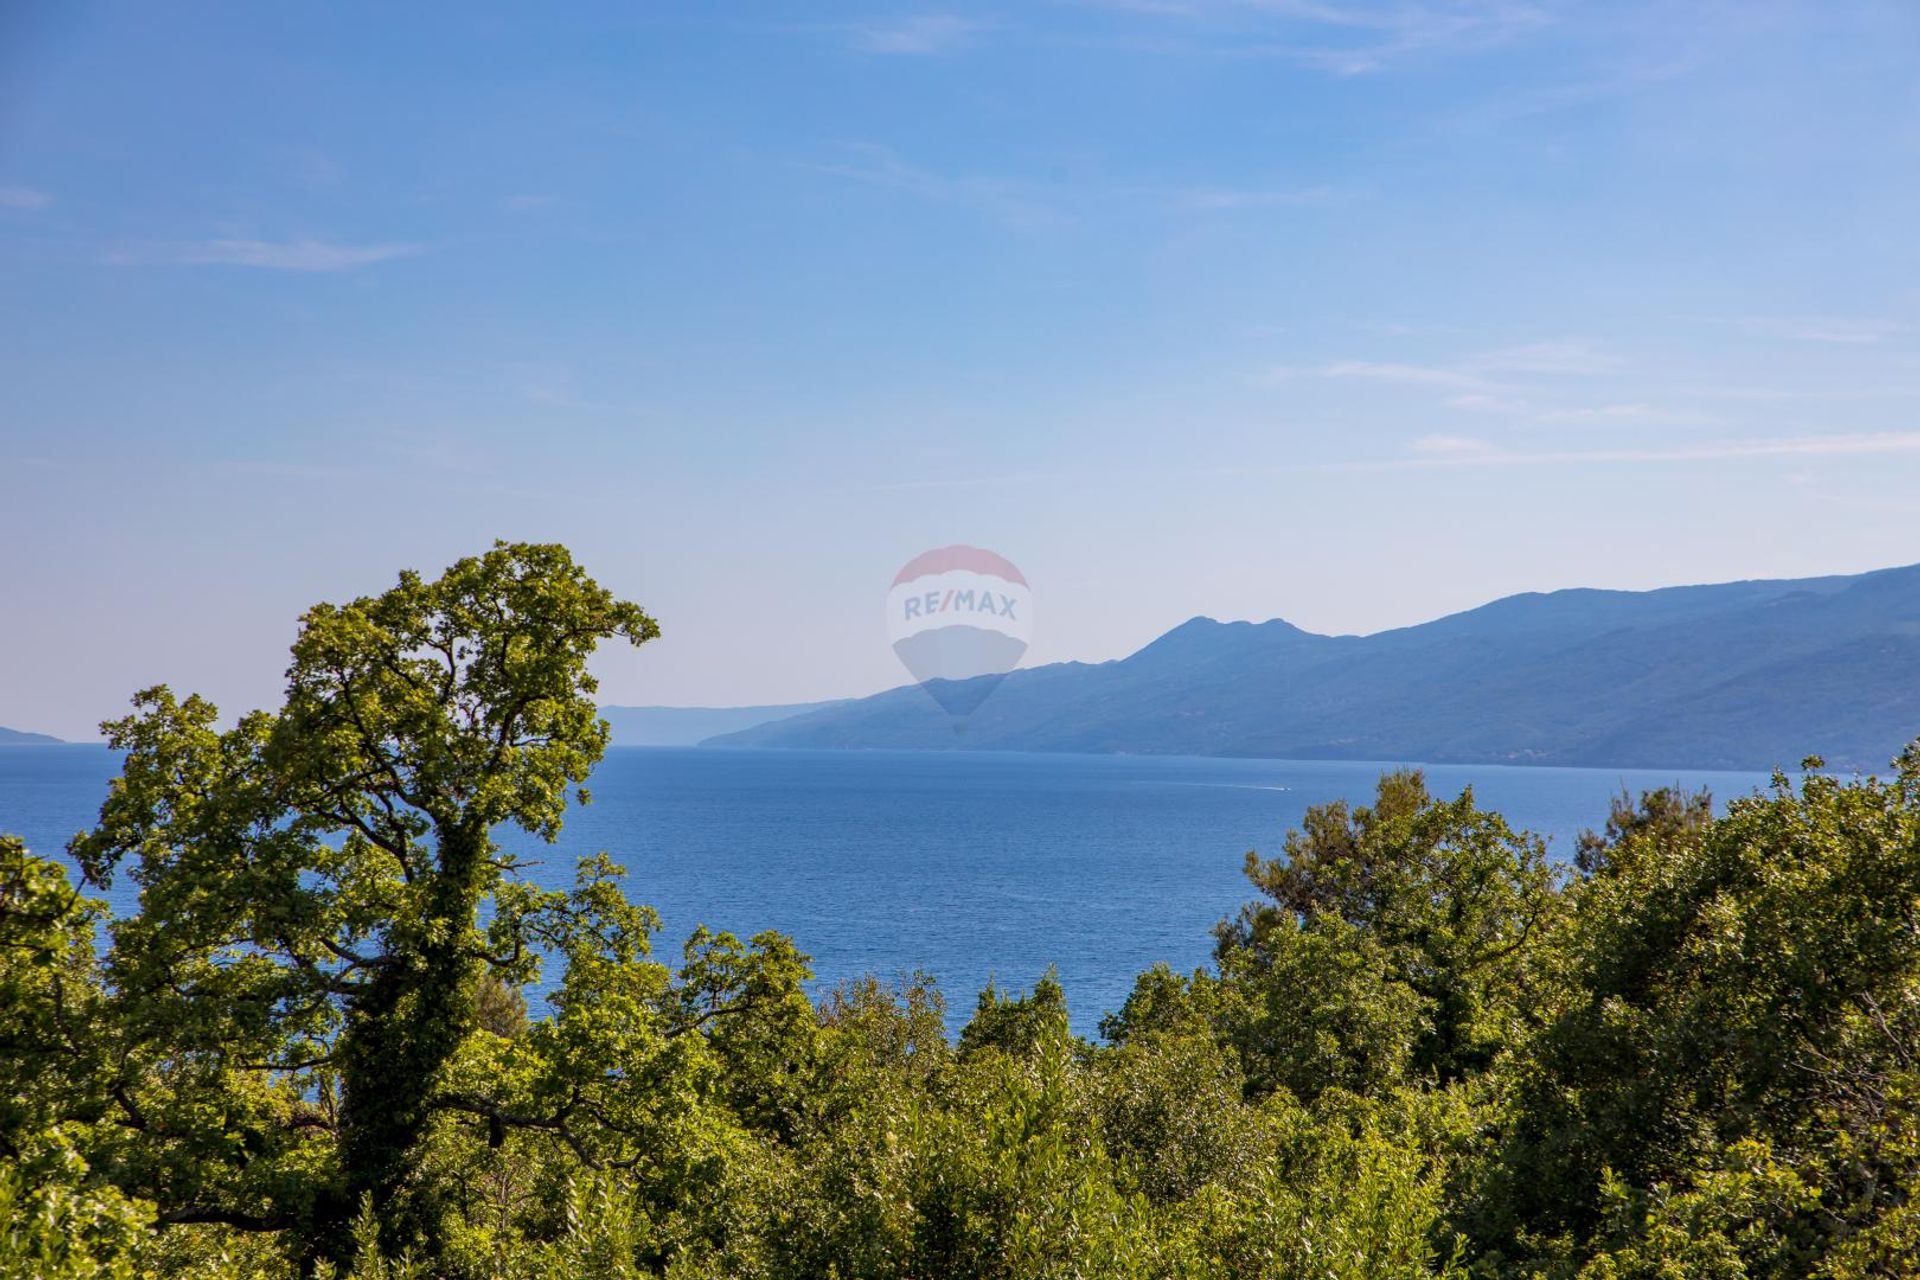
(1423, 1051)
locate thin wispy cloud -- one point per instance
(1523, 384)
(1635, 413)
(23, 198)
(1787, 395)
(1830, 330)
(1441, 450)
(270, 255)
(1481, 402)
(1455, 451)
(1350, 38)
(1485, 380)
(1391, 32)
(916, 34)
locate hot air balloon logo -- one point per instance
(959, 618)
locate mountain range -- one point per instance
(21, 738)
(1739, 675)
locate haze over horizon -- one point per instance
(1352, 315)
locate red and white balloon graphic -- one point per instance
(959, 618)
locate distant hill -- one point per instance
(1740, 675)
(21, 738)
(686, 726)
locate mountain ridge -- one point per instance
(1752, 674)
(22, 738)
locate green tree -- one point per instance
(1393, 941)
(1305, 1006)
(52, 1051)
(1016, 1024)
(1666, 811)
(57, 1217)
(1317, 1004)
(1736, 1057)
(304, 964)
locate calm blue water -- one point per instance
(968, 865)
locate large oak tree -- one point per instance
(302, 969)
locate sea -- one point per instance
(968, 866)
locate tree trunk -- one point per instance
(400, 1034)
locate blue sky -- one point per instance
(1353, 314)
